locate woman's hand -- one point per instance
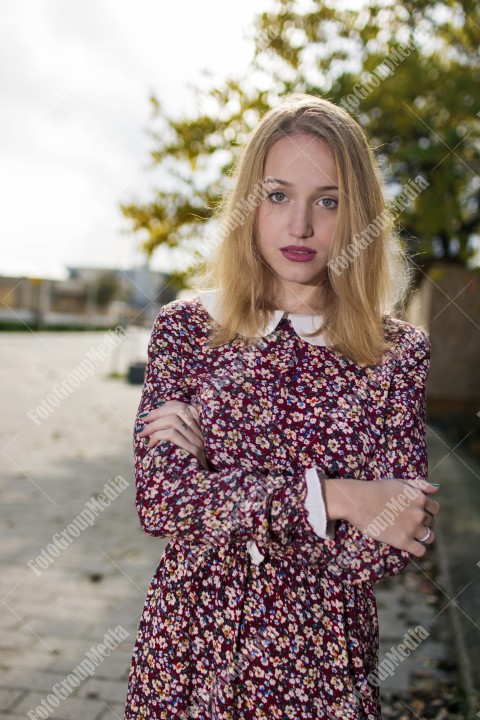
(177, 422)
(396, 512)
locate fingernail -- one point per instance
(160, 402)
(139, 428)
(435, 484)
(144, 414)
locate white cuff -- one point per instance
(317, 516)
(255, 553)
(315, 506)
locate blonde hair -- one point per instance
(374, 278)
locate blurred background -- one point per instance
(119, 124)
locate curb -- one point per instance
(458, 545)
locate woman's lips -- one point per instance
(298, 254)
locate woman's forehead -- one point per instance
(301, 158)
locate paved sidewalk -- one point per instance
(58, 610)
(458, 552)
(51, 620)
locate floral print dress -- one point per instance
(294, 635)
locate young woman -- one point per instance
(270, 400)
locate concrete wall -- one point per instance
(447, 306)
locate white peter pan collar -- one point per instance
(301, 323)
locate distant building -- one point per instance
(89, 297)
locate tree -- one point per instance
(409, 72)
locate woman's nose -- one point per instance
(300, 223)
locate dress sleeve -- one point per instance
(401, 452)
(176, 496)
(316, 514)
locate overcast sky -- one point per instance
(75, 79)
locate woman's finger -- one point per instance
(190, 430)
(177, 422)
(429, 521)
(168, 407)
(189, 413)
(168, 412)
(432, 506)
(424, 536)
(175, 437)
(190, 422)
(178, 439)
(421, 484)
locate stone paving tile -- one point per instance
(71, 708)
(113, 711)
(109, 690)
(10, 698)
(31, 679)
(404, 603)
(8, 621)
(20, 639)
(116, 667)
(35, 659)
(66, 627)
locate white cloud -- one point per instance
(75, 80)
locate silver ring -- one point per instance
(429, 532)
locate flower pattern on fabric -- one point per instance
(297, 636)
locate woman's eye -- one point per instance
(329, 203)
(277, 197)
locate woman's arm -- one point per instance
(367, 507)
(391, 510)
(176, 496)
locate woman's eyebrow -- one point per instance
(289, 184)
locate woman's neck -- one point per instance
(306, 303)
(299, 308)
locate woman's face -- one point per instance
(296, 222)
